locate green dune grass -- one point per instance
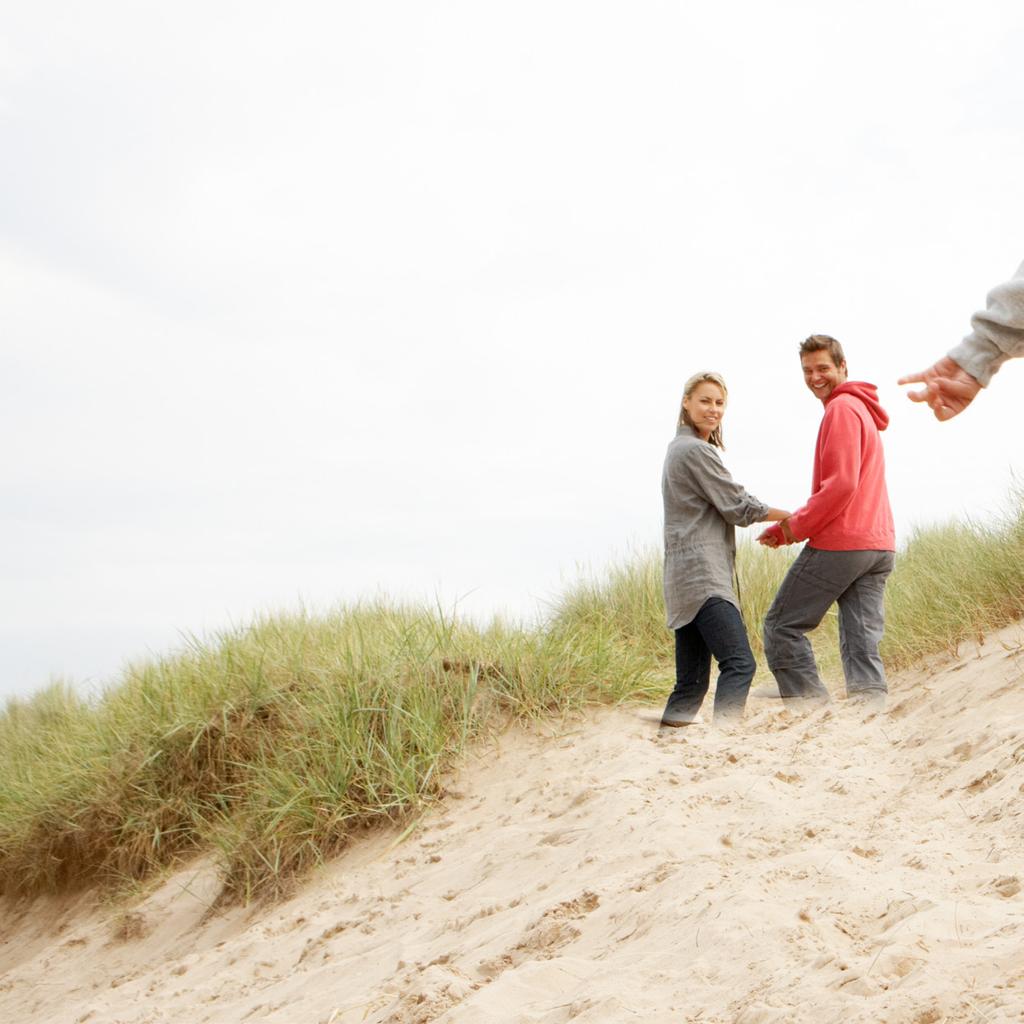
(275, 744)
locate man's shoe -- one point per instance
(677, 719)
(868, 700)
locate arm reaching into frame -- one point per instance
(953, 382)
(948, 389)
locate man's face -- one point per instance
(821, 375)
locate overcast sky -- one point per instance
(307, 302)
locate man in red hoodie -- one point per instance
(847, 523)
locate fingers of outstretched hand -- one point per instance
(914, 378)
(938, 402)
(948, 389)
(944, 404)
(945, 397)
(964, 390)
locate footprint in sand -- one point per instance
(848, 981)
(905, 706)
(1007, 886)
(857, 984)
(312, 945)
(758, 1013)
(433, 991)
(575, 803)
(900, 910)
(982, 782)
(869, 854)
(545, 937)
(561, 837)
(656, 876)
(897, 966)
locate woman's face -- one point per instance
(705, 406)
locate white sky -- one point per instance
(313, 301)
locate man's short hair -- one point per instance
(824, 343)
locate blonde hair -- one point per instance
(704, 377)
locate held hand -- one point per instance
(777, 535)
(948, 389)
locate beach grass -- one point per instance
(273, 745)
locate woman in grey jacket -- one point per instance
(703, 506)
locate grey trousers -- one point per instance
(856, 580)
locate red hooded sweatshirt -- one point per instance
(848, 509)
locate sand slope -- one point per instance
(833, 866)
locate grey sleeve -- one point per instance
(998, 332)
(733, 503)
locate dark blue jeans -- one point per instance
(718, 632)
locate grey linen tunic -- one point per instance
(703, 507)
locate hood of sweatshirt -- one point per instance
(868, 394)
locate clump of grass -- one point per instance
(953, 583)
(625, 602)
(275, 744)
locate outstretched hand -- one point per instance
(948, 389)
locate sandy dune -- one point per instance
(833, 866)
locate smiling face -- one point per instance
(821, 375)
(705, 407)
